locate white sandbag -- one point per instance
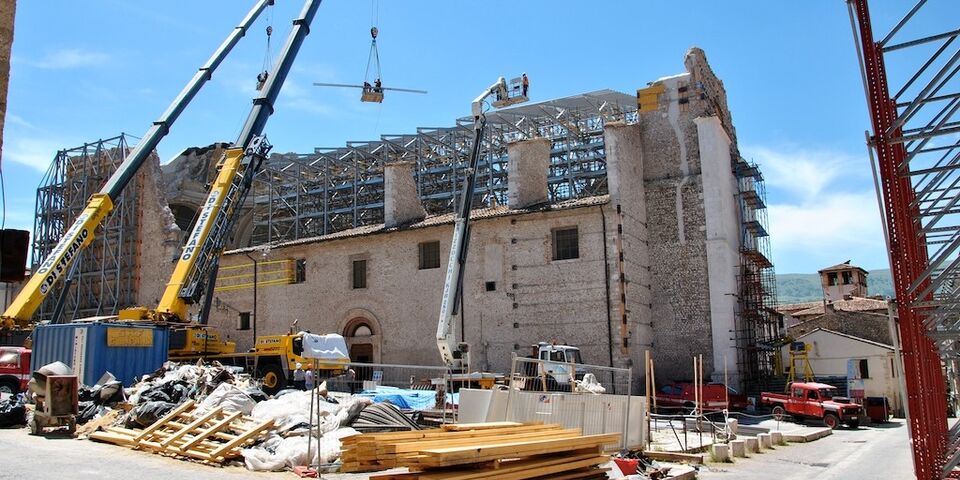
(590, 384)
(330, 347)
(230, 398)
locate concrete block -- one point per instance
(753, 445)
(807, 436)
(738, 448)
(733, 425)
(720, 452)
(765, 440)
(777, 438)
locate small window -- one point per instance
(429, 255)
(864, 369)
(566, 243)
(812, 394)
(847, 278)
(491, 286)
(243, 321)
(300, 271)
(832, 279)
(359, 274)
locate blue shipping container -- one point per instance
(92, 349)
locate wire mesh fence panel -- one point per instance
(531, 374)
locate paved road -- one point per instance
(864, 453)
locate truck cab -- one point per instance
(14, 369)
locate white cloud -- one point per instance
(70, 58)
(37, 153)
(806, 173)
(14, 119)
(822, 208)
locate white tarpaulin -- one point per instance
(330, 348)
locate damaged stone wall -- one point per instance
(158, 236)
(676, 219)
(8, 12)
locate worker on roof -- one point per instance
(526, 83)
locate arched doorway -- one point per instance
(363, 339)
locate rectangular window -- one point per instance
(429, 255)
(864, 370)
(359, 274)
(300, 271)
(243, 321)
(831, 279)
(566, 243)
(847, 278)
(491, 286)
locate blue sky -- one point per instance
(92, 69)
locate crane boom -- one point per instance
(201, 253)
(456, 355)
(81, 232)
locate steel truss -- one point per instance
(756, 320)
(916, 139)
(104, 280)
(332, 189)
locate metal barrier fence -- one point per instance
(567, 394)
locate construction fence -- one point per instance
(556, 393)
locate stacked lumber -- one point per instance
(502, 450)
(214, 435)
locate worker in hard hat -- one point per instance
(299, 377)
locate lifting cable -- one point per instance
(267, 54)
(374, 59)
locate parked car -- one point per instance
(14, 369)
(816, 401)
(681, 395)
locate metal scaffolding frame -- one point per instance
(104, 279)
(307, 195)
(916, 139)
(756, 322)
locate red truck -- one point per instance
(681, 395)
(814, 400)
(14, 369)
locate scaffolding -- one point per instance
(756, 322)
(307, 195)
(911, 79)
(104, 279)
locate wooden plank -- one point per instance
(248, 435)
(212, 430)
(190, 427)
(459, 427)
(696, 458)
(114, 438)
(439, 457)
(436, 433)
(443, 443)
(163, 421)
(515, 470)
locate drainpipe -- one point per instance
(606, 283)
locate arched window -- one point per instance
(362, 330)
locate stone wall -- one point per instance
(8, 10)
(534, 298)
(868, 326)
(158, 236)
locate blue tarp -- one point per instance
(403, 398)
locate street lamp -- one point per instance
(256, 267)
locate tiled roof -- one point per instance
(855, 304)
(435, 220)
(842, 266)
(796, 307)
(852, 337)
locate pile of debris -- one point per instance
(478, 451)
(216, 414)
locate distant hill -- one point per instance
(805, 287)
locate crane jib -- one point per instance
(197, 235)
(56, 263)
